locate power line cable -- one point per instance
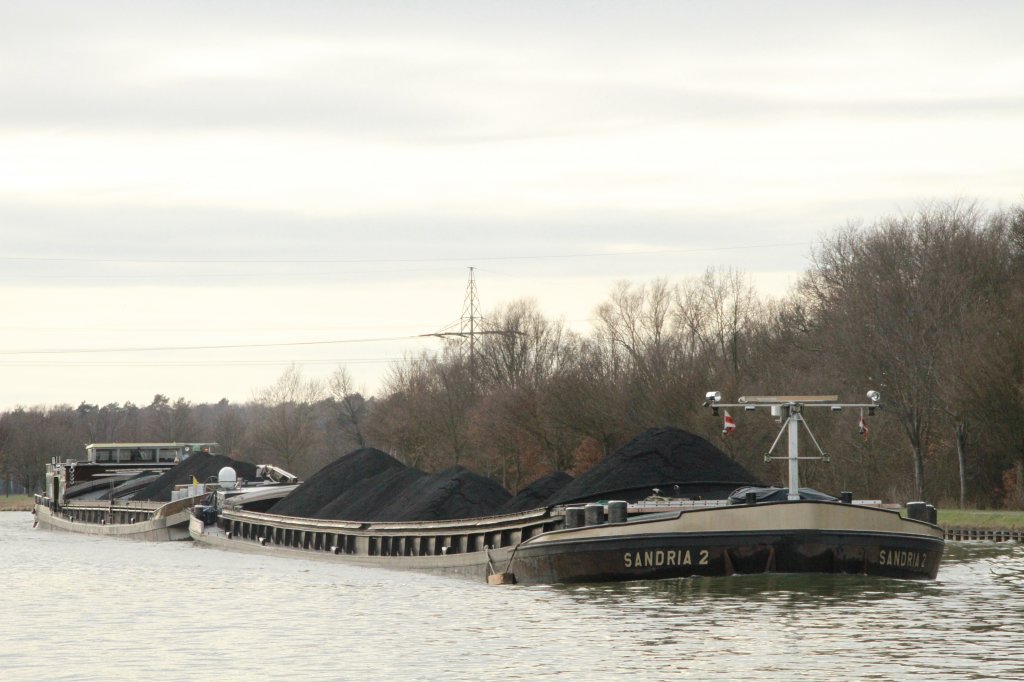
(136, 349)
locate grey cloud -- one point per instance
(407, 107)
(224, 247)
(67, 68)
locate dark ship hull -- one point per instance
(536, 547)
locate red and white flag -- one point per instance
(728, 424)
(862, 428)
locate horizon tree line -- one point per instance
(927, 308)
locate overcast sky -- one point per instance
(180, 174)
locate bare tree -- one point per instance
(637, 320)
(424, 414)
(516, 362)
(586, 395)
(902, 305)
(716, 313)
(287, 429)
(33, 437)
(229, 428)
(637, 331)
(521, 346)
(351, 405)
(5, 463)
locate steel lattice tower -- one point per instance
(470, 319)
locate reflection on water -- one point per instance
(77, 608)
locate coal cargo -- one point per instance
(200, 466)
(370, 485)
(366, 501)
(534, 495)
(334, 480)
(455, 493)
(678, 463)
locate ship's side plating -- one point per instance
(535, 547)
(128, 520)
(784, 537)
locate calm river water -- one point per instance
(80, 608)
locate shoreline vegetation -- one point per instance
(16, 503)
(948, 518)
(927, 307)
(981, 518)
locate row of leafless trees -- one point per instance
(296, 423)
(927, 308)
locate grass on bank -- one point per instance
(978, 518)
(15, 503)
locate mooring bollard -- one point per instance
(594, 514)
(917, 511)
(574, 517)
(617, 511)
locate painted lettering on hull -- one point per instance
(902, 558)
(654, 558)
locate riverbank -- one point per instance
(16, 503)
(982, 518)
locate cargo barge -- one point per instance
(540, 547)
(130, 520)
(96, 495)
(751, 532)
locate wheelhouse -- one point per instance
(151, 453)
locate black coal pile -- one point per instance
(535, 494)
(676, 462)
(455, 493)
(367, 500)
(370, 485)
(202, 466)
(334, 480)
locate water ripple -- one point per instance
(81, 608)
